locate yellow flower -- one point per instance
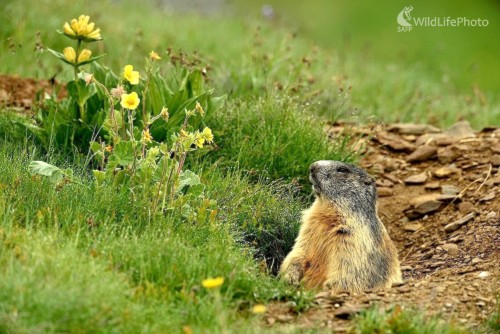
(130, 101)
(154, 56)
(164, 114)
(199, 108)
(82, 28)
(211, 283)
(259, 309)
(199, 140)
(84, 55)
(109, 148)
(69, 54)
(131, 75)
(146, 136)
(207, 135)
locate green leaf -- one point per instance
(124, 153)
(189, 179)
(43, 168)
(81, 91)
(99, 176)
(55, 174)
(95, 147)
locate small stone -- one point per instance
(495, 160)
(384, 191)
(449, 190)
(496, 148)
(481, 304)
(413, 129)
(447, 155)
(451, 249)
(422, 153)
(445, 172)
(412, 227)
(406, 268)
(416, 179)
(448, 305)
(384, 183)
(484, 274)
(490, 196)
(432, 185)
(476, 260)
(466, 207)
(460, 130)
(346, 311)
(459, 223)
(491, 215)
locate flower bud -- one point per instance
(69, 54)
(84, 55)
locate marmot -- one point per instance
(342, 244)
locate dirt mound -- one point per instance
(438, 199)
(20, 93)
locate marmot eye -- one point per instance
(342, 169)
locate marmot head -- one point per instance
(344, 184)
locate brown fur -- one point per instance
(336, 250)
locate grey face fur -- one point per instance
(344, 184)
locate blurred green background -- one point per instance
(465, 56)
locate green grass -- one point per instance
(397, 320)
(261, 57)
(74, 259)
(80, 259)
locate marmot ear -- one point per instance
(369, 181)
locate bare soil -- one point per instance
(438, 197)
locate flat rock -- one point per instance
(416, 179)
(445, 172)
(412, 227)
(422, 205)
(395, 143)
(422, 153)
(459, 223)
(460, 130)
(347, 310)
(447, 155)
(448, 189)
(495, 160)
(384, 192)
(490, 196)
(466, 207)
(413, 129)
(432, 185)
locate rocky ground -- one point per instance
(438, 199)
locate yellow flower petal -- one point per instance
(84, 55)
(130, 101)
(74, 26)
(96, 34)
(208, 135)
(67, 29)
(259, 309)
(154, 56)
(199, 140)
(211, 283)
(69, 54)
(146, 136)
(131, 75)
